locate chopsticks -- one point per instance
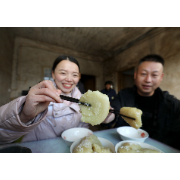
(118, 112)
(67, 98)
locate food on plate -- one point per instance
(99, 149)
(134, 113)
(99, 109)
(91, 144)
(134, 148)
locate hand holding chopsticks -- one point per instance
(67, 98)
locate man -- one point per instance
(111, 93)
(161, 111)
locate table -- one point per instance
(57, 145)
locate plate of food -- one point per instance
(92, 144)
(135, 147)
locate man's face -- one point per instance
(108, 86)
(148, 77)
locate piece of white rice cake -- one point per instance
(133, 113)
(99, 109)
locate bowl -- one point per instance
(143, 145)
(103, 141)
(73, 134)
(130, 133)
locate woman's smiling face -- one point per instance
(66, 76)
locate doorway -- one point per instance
(89, 82)
(125, 79)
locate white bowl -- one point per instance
(103, 141)
(143, 145)
(130, 133)
(73, 134)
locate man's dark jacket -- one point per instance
(111, 93)
(168, 114)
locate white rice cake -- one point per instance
(99, 109)
(133, 113)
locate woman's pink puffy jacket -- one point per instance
(48, 124)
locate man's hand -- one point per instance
(38, 100)
(110, 117)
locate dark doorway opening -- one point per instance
(89, 82)
(126, 79)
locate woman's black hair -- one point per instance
(64, 57)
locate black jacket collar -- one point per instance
(160, 93)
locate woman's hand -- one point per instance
(38, 100)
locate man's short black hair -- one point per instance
(108, 82)
(153, 58)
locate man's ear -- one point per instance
(162, 75)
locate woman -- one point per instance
(59, 117)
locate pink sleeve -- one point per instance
(11, 127)
(82, 124)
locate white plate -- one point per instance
(143, 145)
(71, 135)
(132, 134)
(103, 141)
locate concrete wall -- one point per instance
(6, 52)
(165, 43)
(31, 57)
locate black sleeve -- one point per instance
(176, 119)
(114, 93)
(175, 106)
(173, 129)
(116, 102)
(117, 105)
